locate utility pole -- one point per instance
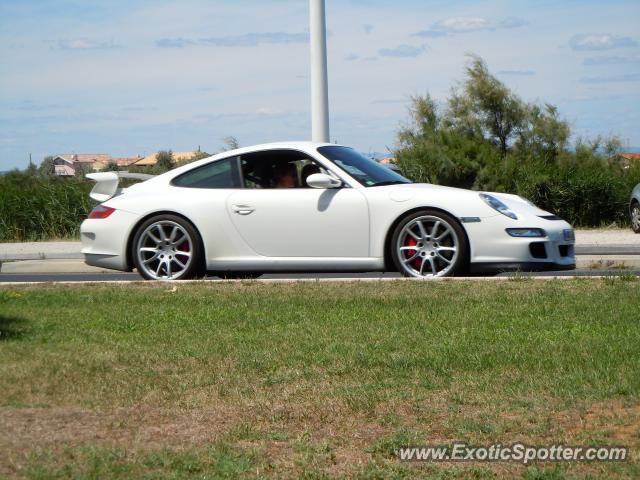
(319, 77)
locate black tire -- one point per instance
(195, 267)
(635, 210)
(457, 266)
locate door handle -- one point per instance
(242, 209)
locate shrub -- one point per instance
(486, 138)
(42, 207)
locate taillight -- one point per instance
(101, 212)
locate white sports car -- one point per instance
(305, 206)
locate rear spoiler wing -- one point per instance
(106, 185)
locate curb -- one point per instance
(50, 266)
(609, 249)
(40, 256)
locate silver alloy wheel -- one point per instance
(428, 247)
(635, 217)
(164, 250)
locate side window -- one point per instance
(277, 169)
(218, 174)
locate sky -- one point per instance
(132, 77)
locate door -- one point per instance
(279, 216)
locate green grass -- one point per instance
(293, 380)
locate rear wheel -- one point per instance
(429, 243)
(635, 217)
(167, 247)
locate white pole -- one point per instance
(319, 82)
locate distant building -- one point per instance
(152, 159)
(68, 164)
(124, 162)
(630, 158)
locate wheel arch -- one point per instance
(388, 260)
(135, 228)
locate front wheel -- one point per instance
(167, 247)
(429, 243)
(635, 217)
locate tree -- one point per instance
(164, 161)
(230, 143)
(432, 149)
(31, 169)
(543, 134)
(485, 137)
(111, 167)
(199, 155)
(476, 133)
(487, 106)
(46, 167)
(83, 168)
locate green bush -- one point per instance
(34, 207)
(587, 195)
(486, 138)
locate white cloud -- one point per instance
(454, 25)
(245, 40)
(462, 24)
(611, 60)
(86, 44)
(600, 41)
(402, 51)
(632, 77)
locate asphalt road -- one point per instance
(114, 277)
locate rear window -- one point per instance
(219, 174)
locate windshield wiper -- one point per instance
(390, 182)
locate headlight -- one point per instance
(526, 232)
(497, 205)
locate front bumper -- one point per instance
(493, 249)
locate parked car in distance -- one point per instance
(634, 209)
(303, 206)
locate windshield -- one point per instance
(365, 171)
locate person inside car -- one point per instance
(286, 175)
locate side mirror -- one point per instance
(322, 180)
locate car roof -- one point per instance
(305, 146)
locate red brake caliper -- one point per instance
(184, 247)
(411, 242)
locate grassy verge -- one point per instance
(313, 380)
